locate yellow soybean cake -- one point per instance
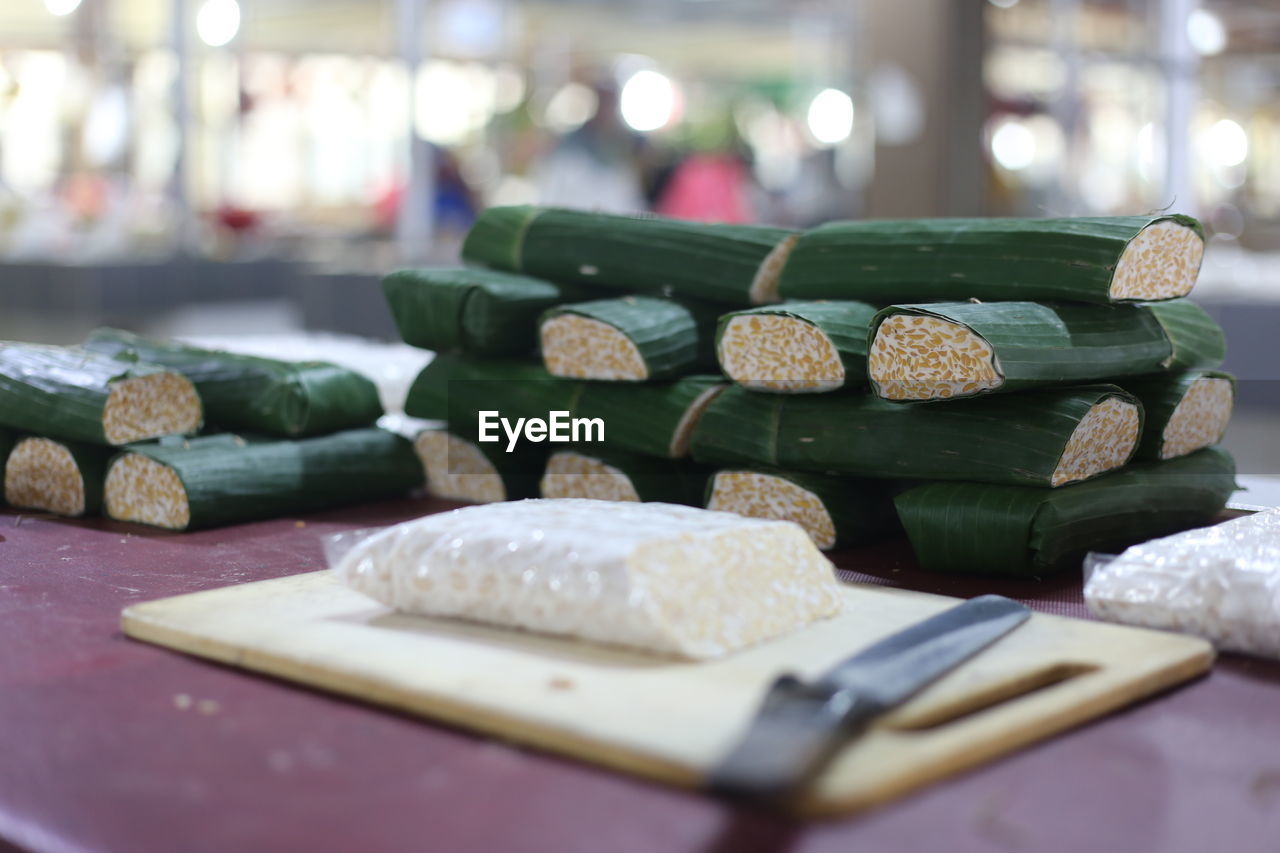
(834, 511)
(799, 347)
(576, 475)
(671, 580)
(1184, 411)
(79, 395)
(631, 339)
(961, 349)
(461, 470)
(61, 477)
(610, 474)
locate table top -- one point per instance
(111, 745)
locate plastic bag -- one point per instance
(1221, 583)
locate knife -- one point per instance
(802, 724)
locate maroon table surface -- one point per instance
(107, 744)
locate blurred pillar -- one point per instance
(1067, 108)
(939, 44)
(414, 220)
(1180, 63)
(180, 44)
(90, 31)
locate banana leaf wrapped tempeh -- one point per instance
(653, 418)
(947, 350)
(1080, 259)
(735, 265)
(981, 528)
(1039, 438)
(91, 397)
(476, 311)
(225, 479)
(265, 395)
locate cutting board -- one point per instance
(671, 720)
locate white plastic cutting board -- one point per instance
(670, 720)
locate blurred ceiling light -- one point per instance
(509, 88)
(61, 7)
(1102, 187)
(106, 127)
(648, 101)
(472, 28)
(1150, 152)
(513, 189)
(1003, 4)
(1016, 72)
(452, 101)
(1206, 33)
(830, 116)
(897, 106)
(776, 142)
(1225, 144)
(1227, 222)
(1013, 145)
(218, 21)
(572, 106)
(1049, 145)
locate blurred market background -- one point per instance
(248, 168)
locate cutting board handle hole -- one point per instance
(987, 696)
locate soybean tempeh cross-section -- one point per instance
(1184, 411)
(796, 347)
(75, 394)
(1085, 259)
(463, 470)
(834, 511)
(609, 474)
(62, 477)
(631, 338)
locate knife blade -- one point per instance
(800, 725)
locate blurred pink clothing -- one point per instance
(708, 188)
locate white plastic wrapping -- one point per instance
(664, 578)
(1221, 583)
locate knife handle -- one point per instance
(799, 727)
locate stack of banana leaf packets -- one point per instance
(1009, 393)
(182, 438)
